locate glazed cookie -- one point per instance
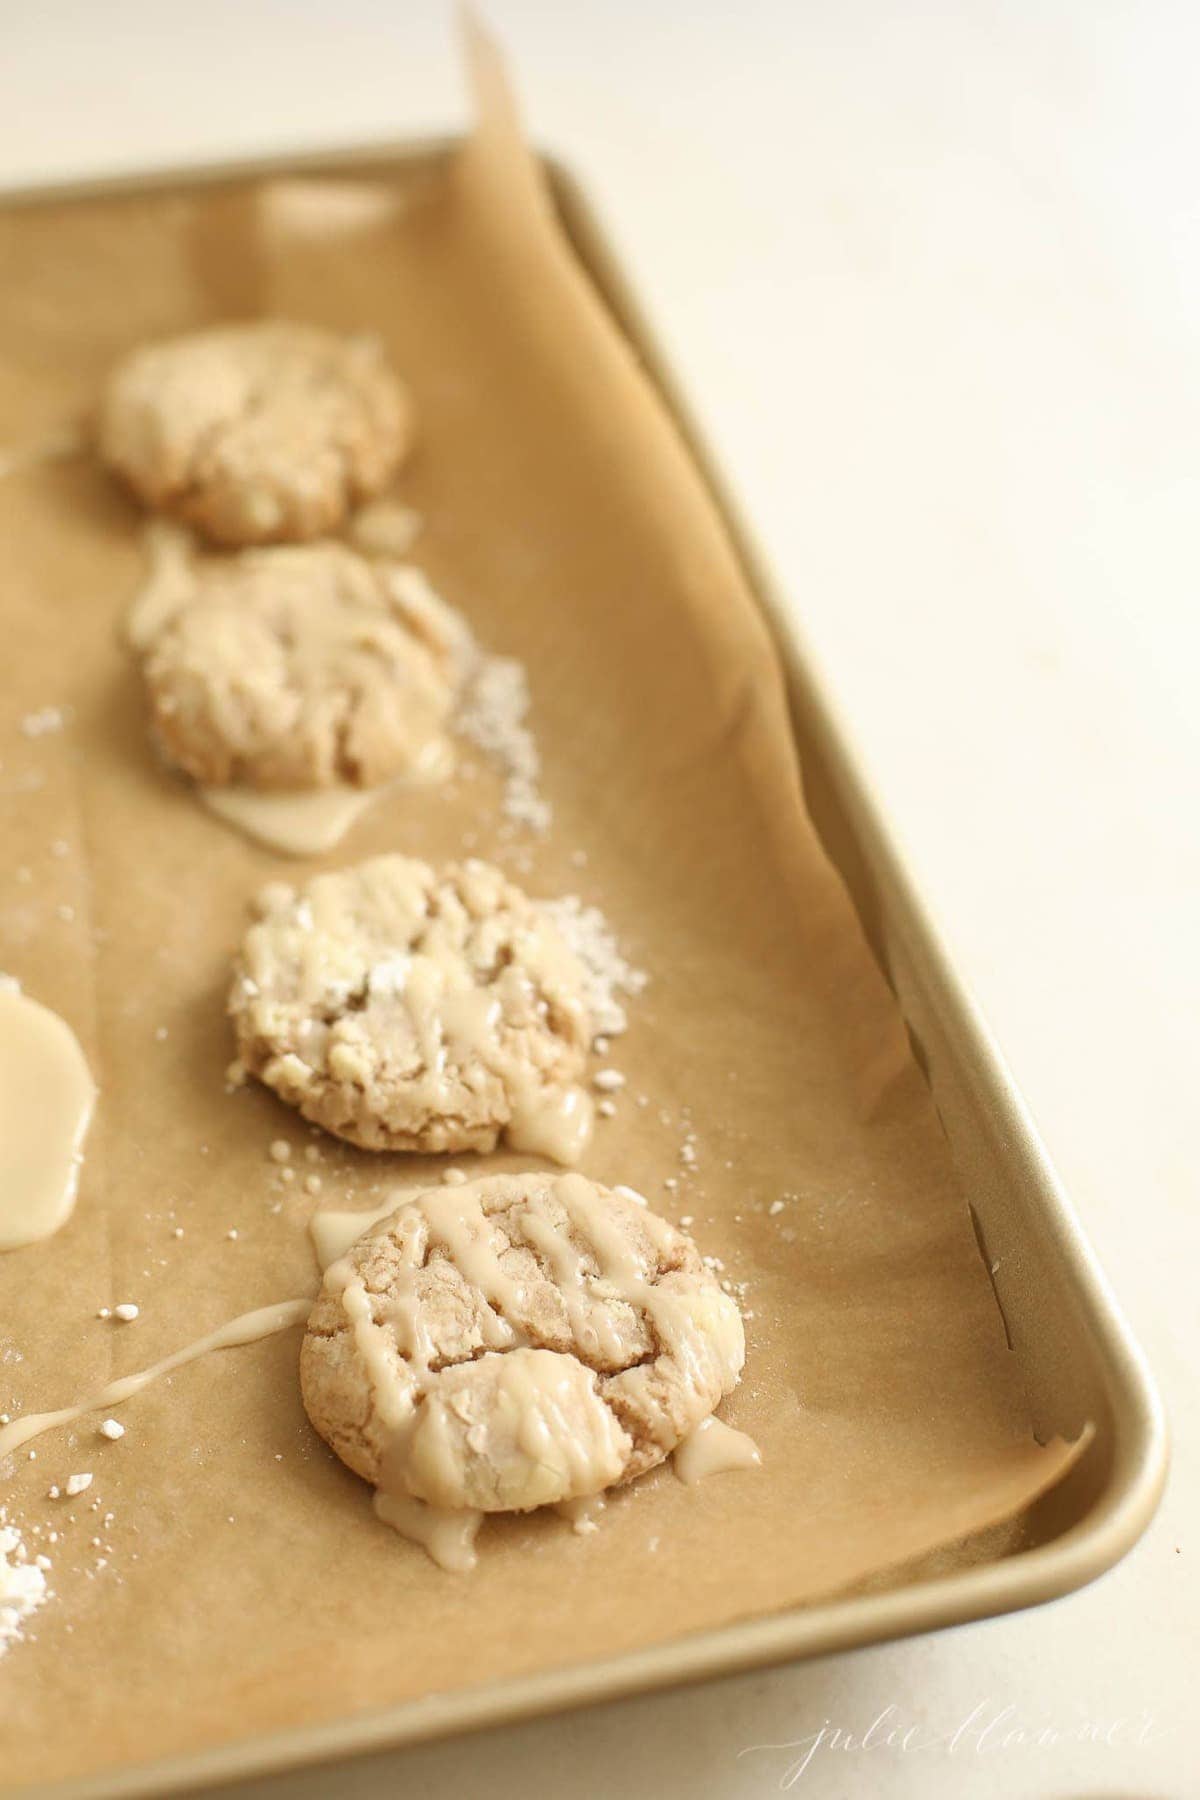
(406, 1010)
(259, 433)
(516, 1341)
(301, 666)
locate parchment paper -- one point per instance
(247, 1585)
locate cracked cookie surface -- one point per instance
(406, 1009)
(516, 1341)
(300, 667)
(260, 433)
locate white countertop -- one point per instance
(931, 273)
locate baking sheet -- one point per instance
(247, 1586)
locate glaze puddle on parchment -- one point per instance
(333, 1230)
(555, 1123)
(713, 1449)
(448, 1537)
(312, 821)
(305, 823)
(583, 1514)
(46, 1100)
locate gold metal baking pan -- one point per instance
(1079, 1365)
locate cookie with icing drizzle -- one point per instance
(301, 667)
(514, 1342)
(406, 1009)
(268, 432)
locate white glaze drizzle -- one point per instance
(246, 1329)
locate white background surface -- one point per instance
(932, 277)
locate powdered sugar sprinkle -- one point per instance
(588, 935)
(22, 1585)
(45, 721)
(492, 715)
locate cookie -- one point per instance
(403, 1009)
(298, 667)
(259, 433)
(515, 1342)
